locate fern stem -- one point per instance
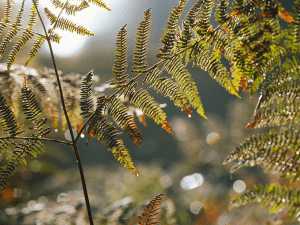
(38, 139)
(74, 142)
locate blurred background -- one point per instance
(187, 166)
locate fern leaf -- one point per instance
(13, 161)
(37, 44)
(50, 16)
(7, 13)
(69, 8)
(139, 55)
(149, 215)
(272, 151)
(26, 36)
(8, 119)
(167, 87)
(33, 111)
(103, 130)
(86, 102)
(120, 115)
(203, 23)
(120, 63)
(66, 24)
(13, 31)
(145, 102)
(187, 85)
(273, 197)
(221, 14)
(168, 38)
(100, 4)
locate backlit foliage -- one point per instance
(247, 49)
(57, 22)
(278, 105)
(149, 217)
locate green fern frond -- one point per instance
(168, 37)
(86, 101)
(50, 16)
(8, 119)
(281, 114)
(140, 51)
(69, 8)
(281, 86)
(120, 63)
(293, 34)
(26, 36)
(54, 36)
(7, 13)
(186, 83)
(66, 24)
(120, 115)
(13, 31)
(149, 215)
(103, 130)
(145, 102)
(167, 87)
(4, 146)
(33, 111)
(203, 23)
(221, 14)
(272, 151)
(37, 44)
(273, 197)
(13, 161)
(99, 3)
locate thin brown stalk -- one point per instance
(74, 144)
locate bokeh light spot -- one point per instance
(213, 138)
(68, 135)
(195, 207)
(239, 186)
(165, 181)
(192, 181)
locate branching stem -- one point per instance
(38, 139)
(74, 141)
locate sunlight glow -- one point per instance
(239, 186)
(192, 181)
(93, 18)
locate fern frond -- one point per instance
(13, 31)
(167, 87)
(168, 38)
(149, 215)
(103, 130)
(145, 102)
(100, 4)
(26, 36)
(274, 152)
(203, 23)
(50, 16)
(7, 13)
(221, 14)
(120, 63)
(69, 8)
(294, 33)
(33, 111)
(13, 161)
(54, 36)
(8, 119)
(273, 197)
(86, 101)
(66, 24)
(140, 51)
(187, 85)
(37, 44)
(281, 114)
(120, 115)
